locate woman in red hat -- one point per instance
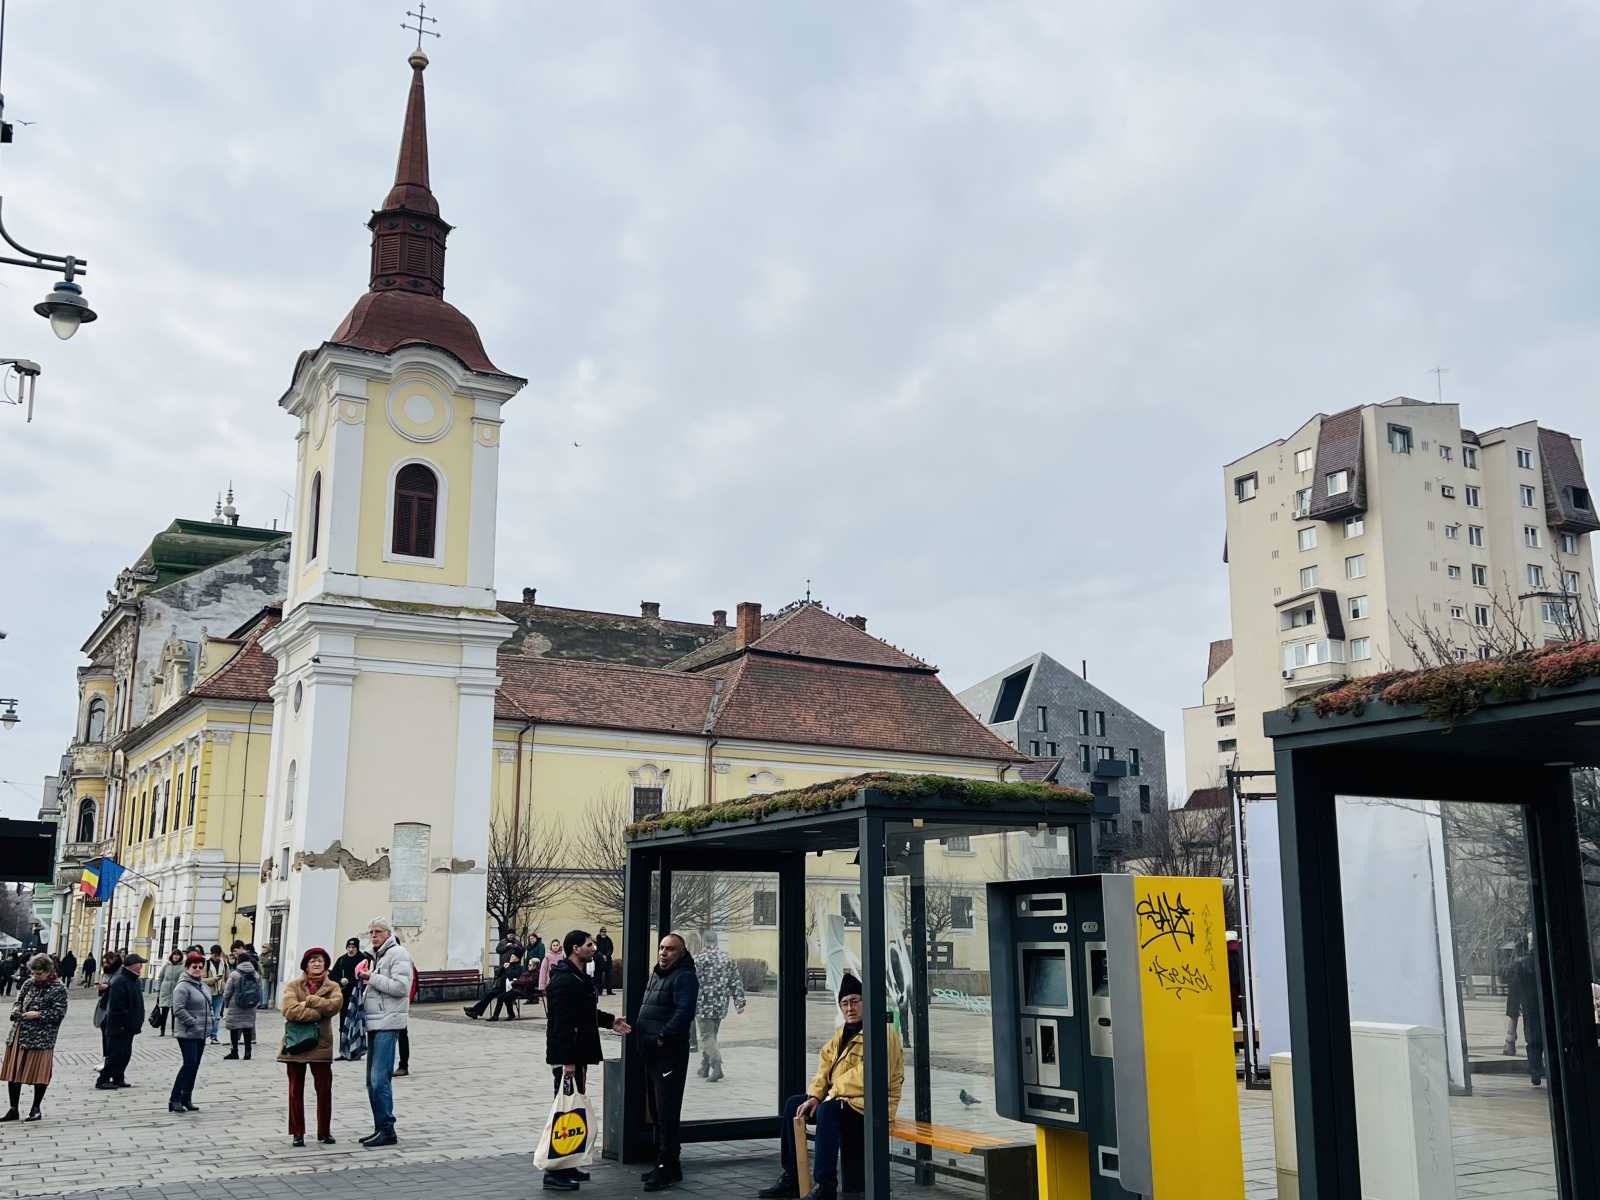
(310, 1004)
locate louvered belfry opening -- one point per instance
(408, 235)
(416, 501)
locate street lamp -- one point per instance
(9, 718)
(64, 307)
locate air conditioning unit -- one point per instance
(1288, 674)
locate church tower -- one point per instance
(383, 705)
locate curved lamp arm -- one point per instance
(67, 263)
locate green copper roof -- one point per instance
(185, 547)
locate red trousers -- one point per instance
(322, 1080)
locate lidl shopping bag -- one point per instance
(566, 1140)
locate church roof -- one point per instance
(549, 631)
(404, 304)
(807, 630)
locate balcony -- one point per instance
(82, 852)
(89, 758)
(1312, 664)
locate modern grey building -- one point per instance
(1067, 725)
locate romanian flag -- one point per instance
(100, 876)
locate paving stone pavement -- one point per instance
(478, 1094)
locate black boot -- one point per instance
(787, 1188)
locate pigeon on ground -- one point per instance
(965, 1098)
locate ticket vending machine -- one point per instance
(1113, 1034)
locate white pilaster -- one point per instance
(470, 824)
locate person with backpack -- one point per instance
(241, 997)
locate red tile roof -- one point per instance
(807, 631)
(1040, 770)
(248, 672)
(1213, 797)
(606, 695)
(384, 321)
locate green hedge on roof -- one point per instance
(822, 796)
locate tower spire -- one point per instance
(411, 190)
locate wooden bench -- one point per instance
(448, 985)
(1008, 1166)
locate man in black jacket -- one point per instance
(124, 1020)
(662, 1027)
(604, 949)
(572, 1031)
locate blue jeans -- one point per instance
(183, 1085)
(216, 1016)
(825, 1157)
(380, 1066)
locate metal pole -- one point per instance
(1251, 1067)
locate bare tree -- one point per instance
(1194, 842)
(939, 892)
(527, 869)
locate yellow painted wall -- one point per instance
(451, 456)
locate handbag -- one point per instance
(566, 1141)
(154, 1020)
(299, 1037)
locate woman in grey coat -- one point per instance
(241, 996)
(191, 1022)
(166, 983)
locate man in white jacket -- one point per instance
(386, 1004)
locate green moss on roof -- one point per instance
(982, 793)
(1450, 693)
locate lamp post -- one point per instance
(9, 718)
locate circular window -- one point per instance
(299, 691)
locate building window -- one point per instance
(962, 914)
(646, 802)
(1569, 543)
(1485, 653)
(1480, 615)
(1033, 749)
(1083, 759)
(416, 503)
(1010, 697)
(1354, 526)
(1535, 575)
(1338, 482)
(1044, 718)
(1525, 494)
(764, 910)
(1554, 612)
(1302, 503)
(1444, 452)
(1469, 457)
(1400, 439)
(1480, 575)
(1452, 570)
(1138, 828)
(1448, 492)
(314, 517)
(1358, 608)
(288, 791)
(960, 843)
(1225, 720)
(1227, 745)
(1134, 767)
(1106, 753)
(1306, 538)
(1144, 797)
(1304, 460)
(850, 910)
(1474, 497)
(1355, 567)
(94, 722)
(85, 829)
(1524, 458)
(194, 790)
(1099, 724)
(1474, 535)
(166, 803)
(1083, 722)
(1569, 582)
(1580, 498)
(1360, 648)
(283, 863)
(1295, 618)
(1308, 578)
(1108, 826)
(1244, 487)
(1052, 749)
(1458, 612)
(1452, 532)
(1530, 536)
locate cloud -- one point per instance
(955, 311)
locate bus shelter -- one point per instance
(887, 820)
(1506, 732)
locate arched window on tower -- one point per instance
(314, 517)
(85, 820)
(94, 723)
(288, 791)
(416, 504)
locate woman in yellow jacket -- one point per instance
(837, 1093)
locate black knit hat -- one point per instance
(849, 986)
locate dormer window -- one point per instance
(416, 505)
(1338, 483)
(1580, 499)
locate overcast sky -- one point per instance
(955, 309)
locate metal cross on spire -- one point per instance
(423, 21)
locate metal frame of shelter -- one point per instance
(897, 826)
(1518, 751)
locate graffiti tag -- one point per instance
(1162, 917)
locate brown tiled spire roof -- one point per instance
(1221, 652)
(404, 304)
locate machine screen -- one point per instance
(1044, 974)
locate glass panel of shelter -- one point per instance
(1448, 1042)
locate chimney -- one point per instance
(528, 595)
(749, 618)
(651, 609)
(858, 621)
(719, 618)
